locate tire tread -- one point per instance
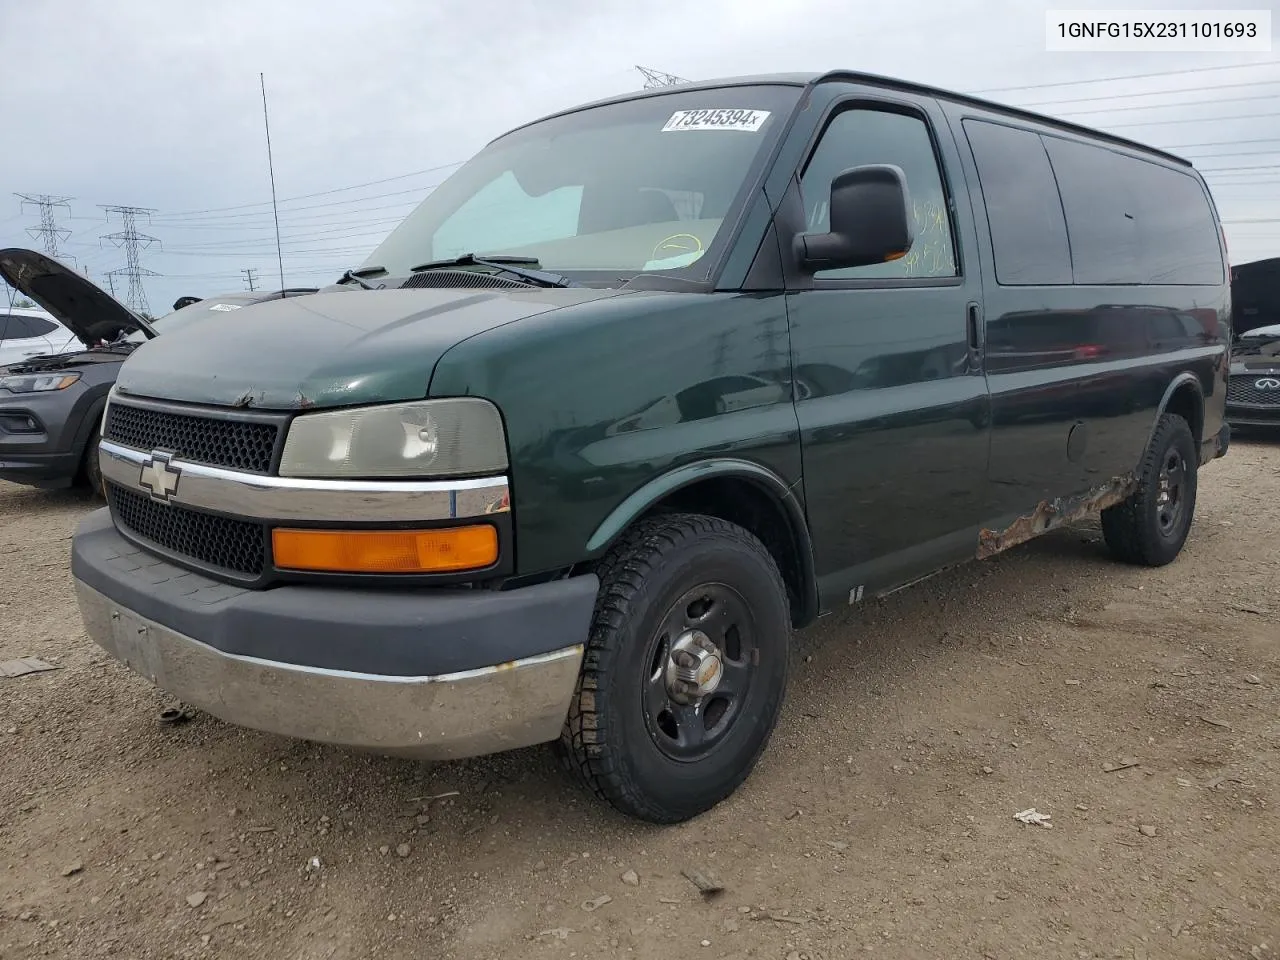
(582, 746)
(1126, 527)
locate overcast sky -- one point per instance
(156, 103)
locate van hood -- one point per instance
(332, 348)
(84, 308)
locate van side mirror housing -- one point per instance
(870, 221)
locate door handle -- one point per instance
(972, 318)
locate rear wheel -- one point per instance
(1150, 527)
(685, 668)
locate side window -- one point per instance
(40, 327)
(1102, 213)
(1179, 232)
(1133, 221)
(1028, 229)
(861, 136)
(17, 328)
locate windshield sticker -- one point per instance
(225, 306)
(736, 119)
(671, 263)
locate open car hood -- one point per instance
(84, 308)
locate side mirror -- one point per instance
(870, 221)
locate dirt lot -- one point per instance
(880, 821)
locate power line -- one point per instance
(1157, 123)
(320, 193)
(1151, 93)
(1168, 106)
(315, 206)
(1129, 76)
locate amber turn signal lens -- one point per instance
(386, 551)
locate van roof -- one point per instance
(876, 80)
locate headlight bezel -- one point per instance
(55, 381)
(456, 438)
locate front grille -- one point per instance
(1243, 389)
(237, 546)
(236, 444)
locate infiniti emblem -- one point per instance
(1267, 383)
(159, 476)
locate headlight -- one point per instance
(425, 438)
(38, 383)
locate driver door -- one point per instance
(895, 428)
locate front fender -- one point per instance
(780, 493)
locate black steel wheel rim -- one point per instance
(1171, 492)
(684, 725)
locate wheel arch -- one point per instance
(1185, 397)
(741, 492)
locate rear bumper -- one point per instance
(430, 674)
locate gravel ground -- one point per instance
(880, 822)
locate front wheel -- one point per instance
(1150, 527)
(685, 668)
(90, 469)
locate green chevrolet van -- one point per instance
(640, 389)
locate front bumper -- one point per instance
(1250, 415)
(50, 471)
(48, 456)
(431, 674)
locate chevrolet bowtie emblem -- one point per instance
(159, 476)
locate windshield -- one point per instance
(644, 184)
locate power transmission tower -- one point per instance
(132, 241)
(249, 277)
(656, 78)
(48, 233)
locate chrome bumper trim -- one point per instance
(451, 716)
(259, 497)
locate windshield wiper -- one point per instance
(359, 277)
(516, 266)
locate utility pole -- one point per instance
(132, 241)
(249, 277)
(48, 233)
(657, 78)
(111, 280)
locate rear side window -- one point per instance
(40, 327)
(1028, 230)
(1133, 221)
(15, 327)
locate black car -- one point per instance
(51, 406)
(1253, 391)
